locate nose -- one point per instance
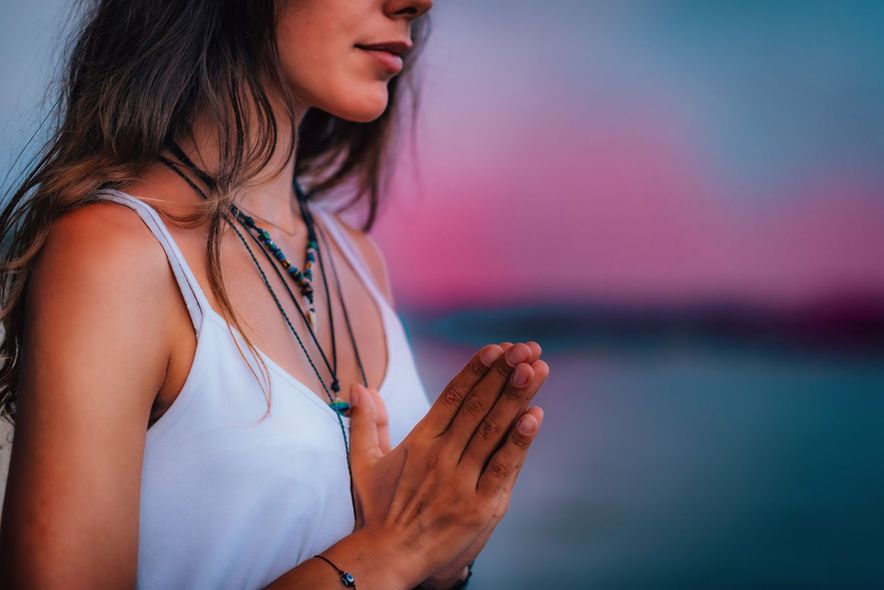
(411, 9)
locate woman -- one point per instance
(194, 407)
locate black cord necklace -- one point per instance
(336, 405)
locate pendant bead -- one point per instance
(340, 406)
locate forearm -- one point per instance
(377, 563)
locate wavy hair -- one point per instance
(136, 74)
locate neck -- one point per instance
(269, 195)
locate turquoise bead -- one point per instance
(339, 405)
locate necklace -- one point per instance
(256, 234)
(303, 278)
(338, 406)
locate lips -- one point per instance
(388, 55)
(395, 47)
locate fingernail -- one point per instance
(527, 424)
(520, 376)
(516, 355)
(490, 355)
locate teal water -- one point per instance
(696, 464)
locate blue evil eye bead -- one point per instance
(348, 579)
(339, 406)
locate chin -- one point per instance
(360, 107)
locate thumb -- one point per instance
(364, 439)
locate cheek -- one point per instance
(305, 53)
(353, 88)
(326, 71)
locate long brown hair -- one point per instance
(136, 75)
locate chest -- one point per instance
(343, 294)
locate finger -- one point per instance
(514, 398)
(382, 420)
(483, 396)
(364, 440)
(534, 346)
(535, 350)
(443, 410)
(504, 466)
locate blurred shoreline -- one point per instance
(849, 322)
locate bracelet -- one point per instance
(347, 579)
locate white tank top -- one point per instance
(231, 502)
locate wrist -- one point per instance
(376, 559)
(444, 581)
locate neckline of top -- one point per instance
(349, 255)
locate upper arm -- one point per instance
(373, 256)
(94, 355)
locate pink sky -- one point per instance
(581, 214)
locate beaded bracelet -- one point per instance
(347, 579)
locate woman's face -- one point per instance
(319, 46)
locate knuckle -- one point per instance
(511, 393)
(420, 446)
(476, 368)
(446, 453)
(521, 441)
(433, 460)
(453, 395)
(474, 406)
(499, 468)
(489, 428)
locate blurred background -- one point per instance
(683, 202)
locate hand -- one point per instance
(444, 488)
(456, 570)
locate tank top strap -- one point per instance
(351, 251)
(194, 297)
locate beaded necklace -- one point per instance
(337, 405)
(304, 279)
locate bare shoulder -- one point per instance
(101, 292)
(95, 355)
(372, 254)
(104, 244)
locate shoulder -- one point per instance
(371, 253)
(100, 268)
(99, 300)
(102, 242)
(94, 355)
